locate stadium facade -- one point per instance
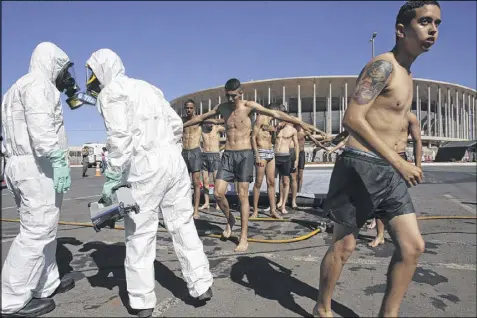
(446, 111)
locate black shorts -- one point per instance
(236, 165)
(301, 160)
(364, 186)
(193, 159)
(210, 161)
(282, 165)
(292, 160)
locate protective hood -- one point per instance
(49, 60)
(106, 65)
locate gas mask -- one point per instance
(93, 87)
(66, 83)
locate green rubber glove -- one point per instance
(61, 171)
(112, 179)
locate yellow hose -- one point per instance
(292, 240)
(117, 227)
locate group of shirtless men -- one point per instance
(370, 178)
(269, 146)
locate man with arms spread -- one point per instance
(370, 177)
(411, 126)
(191, 152)
(210, 155)
(262, 145)
(144, 141)
(284, 163)
(237, 160)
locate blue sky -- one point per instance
(182, 47)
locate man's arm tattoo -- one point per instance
(372, 81)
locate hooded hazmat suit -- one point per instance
(144, 143)
(32, 124)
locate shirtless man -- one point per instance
(191, 151)
(285, 160)
(410, 127)
(237, 160)
(381, 101)
(262, 145)
(210, 156)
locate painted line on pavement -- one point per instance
(465, 207)
(68, 199)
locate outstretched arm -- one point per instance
(214, 121)
(277, 115)
(201, 118)
(317, 143)
(339, 145)
(374, 78)
(415, 130)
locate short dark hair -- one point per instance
(408, 11)
(232, 84)
(189, 101)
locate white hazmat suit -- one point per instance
(144, 143)
(32, 124)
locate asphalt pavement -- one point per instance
(273, 280)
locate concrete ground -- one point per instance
(274, 280)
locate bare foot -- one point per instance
(254, 215)
(217, 207)
(205, 206)
(196, 216)
(320, 312)
(279, 205)
(275, 215)
(377, 241)
(294, 206)
(242, 247)
(229, 226)
(284, 211)
(372, 225)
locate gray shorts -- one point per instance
(193, 159)
(236, 165)
(210, 161)
(363, 186)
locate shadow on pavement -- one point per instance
(63, 254)
(110, 262)
(275, 282)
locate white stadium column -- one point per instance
(439, 112)
(255, 95)
(201, 109)
(210, 104)
(299, 102)
(346, 95)
(429, 117)
(314, 103)
(329, 128)
(469, 119)
(418, 106)
(457, 116)
(269, 95)
(340, 113)
(475, 117)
